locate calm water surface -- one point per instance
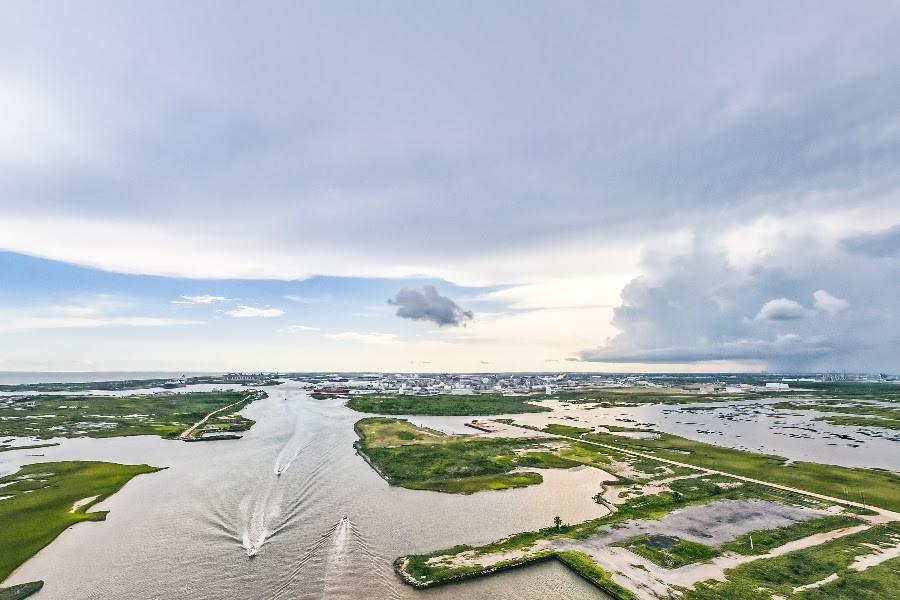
(187, 531)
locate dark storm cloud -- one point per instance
(425, 304)
(699, 307)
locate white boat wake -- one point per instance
(346, 558)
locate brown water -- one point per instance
(188, 531)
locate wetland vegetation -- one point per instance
(669, 552)
(165, 415)
(830, 564)
(453, 564)
(873, 486)
(766, 539)
(446, 404)
(41, 500)
(418, 458)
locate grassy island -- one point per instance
(422, 459)
(165, 415)
(41, 500)
(446, 404)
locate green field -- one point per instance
(873, 486)
(669, 552)
(446, 404)
(766, 539)
(106, 386)
(421, 459)
(166, 415)
(127, 384)
(42, 503)
(633, 396)
(764, 578)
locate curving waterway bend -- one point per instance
(288, 512)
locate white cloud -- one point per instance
(203, 299)
(308, 299)
(36, 130)
(781, 309)
(476, 183)
(828, 304)
(250, 312)
(302, 328)
(563, 292)
(364, 337)
(26, 323)
(84, 312)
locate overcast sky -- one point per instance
(450, 186)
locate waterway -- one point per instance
(219, 523)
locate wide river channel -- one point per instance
(187, 531)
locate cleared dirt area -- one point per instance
(712, 524)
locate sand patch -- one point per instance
(79, 503)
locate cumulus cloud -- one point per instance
(697, 307)
(302, 328)
(426, 304)
(781, 309)
(203, 299)
(249, 312)
(828, 304)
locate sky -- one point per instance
(466, 186)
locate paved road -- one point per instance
(190, 430)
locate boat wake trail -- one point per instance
(260, 512)
(312, 552)
(305, 491)
(291, 450)
(346, 564)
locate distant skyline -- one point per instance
(412, 186)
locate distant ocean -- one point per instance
(16, 377)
